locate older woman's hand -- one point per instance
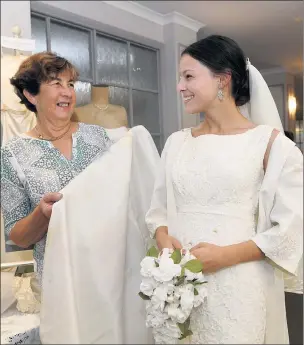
(47, 201)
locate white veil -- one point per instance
(261, 109)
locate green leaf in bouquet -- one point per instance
(195, 292)
(185, 335)
(176, 256)
(194, 266)
(195, 282)
(187, 324)
(143, 296)
(153, 252)
(184, 328)
(182, 272)
(180, 280)
(181, 327)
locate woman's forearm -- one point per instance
(30, 229)
(243, 252)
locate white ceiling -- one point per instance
(270, 32)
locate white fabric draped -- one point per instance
(96, 239)
(16, 122)
(262, 110)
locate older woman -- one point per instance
(37, 165)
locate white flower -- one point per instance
(160, 337)
(202, 294)
(172, 330)
(162, 291)
(176, 313)
(157, 303)
(187, 257)
(172, 309)
(170, 287)
(147, 286)
(155, 320)
(199, 277)
(170, 299)
(177, 294)
(167, 334)
(155, 317)
(187, 297)
(147, 265)
(166, 253)
(170, 303)
(159, 297)
(167, 269)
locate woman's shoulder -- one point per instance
(284, 150)
(178, 135)
(89, 126)
(181, 133)
(281, 139)
(13, 144)
(86, 128)
(93, 135)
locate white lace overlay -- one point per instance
(217, 203)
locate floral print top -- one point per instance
(32, 167)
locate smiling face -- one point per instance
(198, 85)
(56, 98)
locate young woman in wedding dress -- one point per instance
(231, 190)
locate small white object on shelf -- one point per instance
(16, 42)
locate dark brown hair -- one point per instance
(37, 69)
(221, 55)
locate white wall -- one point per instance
(290, 90)
(278, 77)
(110, 15)
(299, 96)
(15, 13)
(175, 36)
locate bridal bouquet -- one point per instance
(172, 284)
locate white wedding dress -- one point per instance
(217, 202)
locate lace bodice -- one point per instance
(221, 171)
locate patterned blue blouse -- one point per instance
(32, 167)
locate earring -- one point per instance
(220, 94)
